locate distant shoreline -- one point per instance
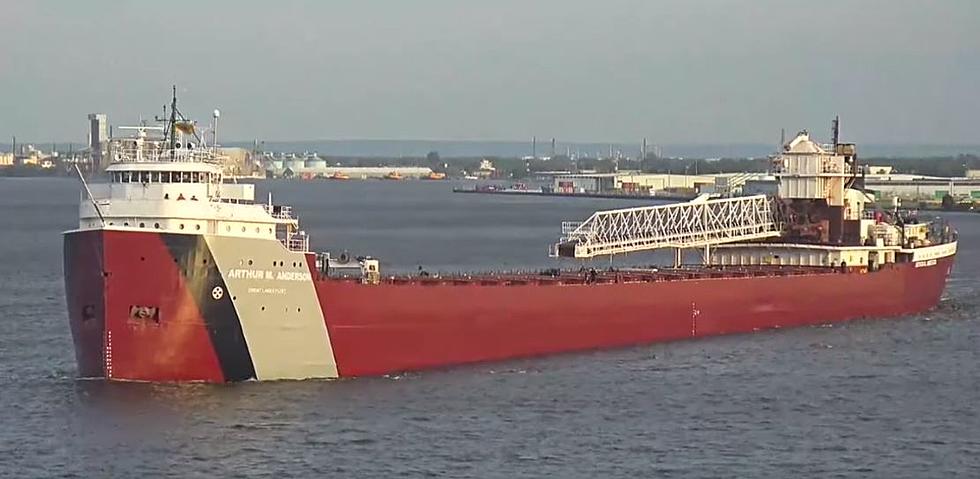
(380, 148)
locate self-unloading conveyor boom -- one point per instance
(693, 224)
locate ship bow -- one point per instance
(85, 297)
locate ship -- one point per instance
(393, 175)
(339, 175)
(175, 274)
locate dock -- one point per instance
(661, 196)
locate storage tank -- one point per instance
(276, 165)
(316, 164)
(296, 165)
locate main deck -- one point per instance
(558, 277)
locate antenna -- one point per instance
(214, 132)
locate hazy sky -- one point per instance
(610, 70)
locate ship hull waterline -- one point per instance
(170, 307)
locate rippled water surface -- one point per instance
(892, 398)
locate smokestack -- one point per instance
(534, 147)
(552, 147)
(643, 150)
(835, 131)
(782, 139)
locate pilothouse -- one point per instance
(170, 178)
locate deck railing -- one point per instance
(279, 212)
(296, 242)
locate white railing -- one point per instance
(130, 152)
(279, 212)
(681, 225)
(568, 227)
(296, 242)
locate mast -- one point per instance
(172, 129)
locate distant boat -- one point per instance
(435, 176)
(339, 176)
(470, 177)
(394, 175)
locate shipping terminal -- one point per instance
(176, 274)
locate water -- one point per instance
(869, 399)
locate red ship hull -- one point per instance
(161, 307)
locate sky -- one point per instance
(673, 71)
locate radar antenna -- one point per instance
(171, 124)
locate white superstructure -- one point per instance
(170, 180)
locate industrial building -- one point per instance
(630, 183)
(313, 166)
(924, 187)
(98, 139)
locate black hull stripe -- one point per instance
(201, 275)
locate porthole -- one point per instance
(298, 310)
(197, 227)
(243, 229)
(142, 225)
(111, 223)
(270, 230)
(156, 225)
(182, 226)
(263, 308)
(228, 228)
(257, 230)
(126, 224)
(250, 262)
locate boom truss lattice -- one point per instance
(693, 224)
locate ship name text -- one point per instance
(265, 274)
